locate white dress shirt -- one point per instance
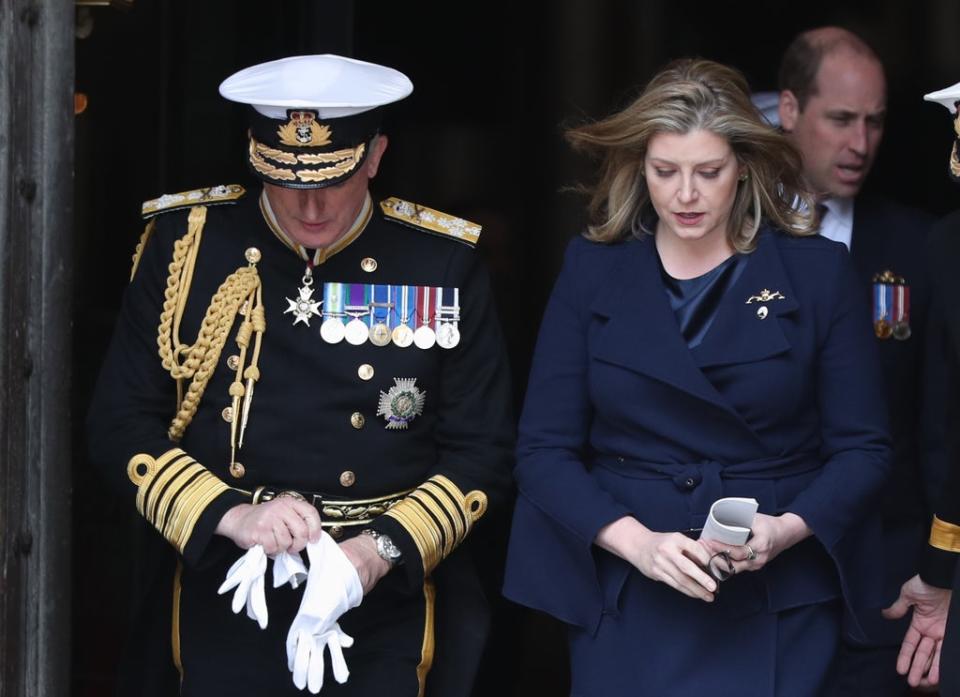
(837, 223)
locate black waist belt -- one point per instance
(765, 468)
(335, 512)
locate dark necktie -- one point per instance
(822, 211)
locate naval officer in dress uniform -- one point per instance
(930, 653)
(304, 366)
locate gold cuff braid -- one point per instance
(944, 535)
(438, 517)
(173, 490)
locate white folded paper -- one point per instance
(730, 520)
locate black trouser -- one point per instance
(950, 655)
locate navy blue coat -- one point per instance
(622, 418)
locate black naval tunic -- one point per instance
(938, 565)
(312, 427)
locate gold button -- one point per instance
(227, 414)
(233, 362)
(347, 478)
(336, 532)
(357, 420)
(252, 255)
(365, 371)
(237, 470)
(369, 264)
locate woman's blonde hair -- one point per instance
(689, 95)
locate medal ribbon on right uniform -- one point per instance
(891, 306)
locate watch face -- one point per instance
(386, 548)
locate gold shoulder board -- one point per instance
(430, 220)
(209, 196)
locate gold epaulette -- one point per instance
(209, 196)
(430, 220)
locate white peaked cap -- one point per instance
(948, 96)
(332, 85)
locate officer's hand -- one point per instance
(281, 525)
(919, 657)
(362, 553)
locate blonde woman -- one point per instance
(699, 343)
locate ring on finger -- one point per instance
(751, 554)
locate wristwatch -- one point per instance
(388, 551)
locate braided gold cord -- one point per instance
(167, 340)
(141, 244)
(258, 320)
(238, 294)
(236, 388)
(187, 278)
(239, 287)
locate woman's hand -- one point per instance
(771, 536)
(283, 524)
(668, 557)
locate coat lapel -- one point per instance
(867, 242)
(747, 328)
(641, 332)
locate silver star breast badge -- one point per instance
(304, 307)
(402, 403)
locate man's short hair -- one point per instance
(801, 61)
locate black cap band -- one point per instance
(304, 152)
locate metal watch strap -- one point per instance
(386, 549)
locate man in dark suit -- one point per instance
(931, 647)
(833, 105)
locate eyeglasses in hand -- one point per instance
(720, 567)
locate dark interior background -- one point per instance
(480, 137)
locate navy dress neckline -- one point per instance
(695, 301)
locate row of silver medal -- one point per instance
(445, 332)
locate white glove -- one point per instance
(333, 587)
(288, 568)
(308, 662)
(246, 575)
